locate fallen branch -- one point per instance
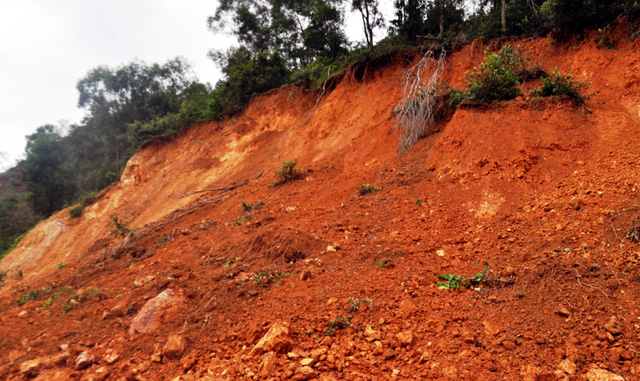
(223, 189)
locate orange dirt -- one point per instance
(542, 191)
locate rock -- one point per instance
(84, 360)
(304, 373)
(306, 274)
(620, 354)
(119, 310)
(175, 346)
(100, 374)
(268, 365)
(405, 338)
(508, 344)
(567, 366)
(563, 312)
(276, 339)
(31, 368)
(306, 361)
(317, 353)
(331, 248)
(23, 313)
(407, 308)
(370, 334)
(16, 354)
(613, 327)
(491, 329)
(157, 311)
(597, 374)
(111, 356)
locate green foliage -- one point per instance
(62, 266)
(76, 211)
(28, 296)
(604, 39)
(558, 84)
(338, 323)
(268, 277)
(75, 300)
(16, 216)
(366, 189)
(497, 77)
(454, 282)
(120, 227)
(288, 172)
(242, 220)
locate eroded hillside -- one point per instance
(318, 281)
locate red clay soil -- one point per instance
(321, 282)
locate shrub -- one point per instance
(288, 172)
(366, 189)
(497, 77)
(120, 227)
(247, 208)
(558, 84)
(76, 212)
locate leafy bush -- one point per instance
(497, 77)
(76, 212)
(288, 172)
(558, 84)
(120, 227)
(366, 189)
(454, 282)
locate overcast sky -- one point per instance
(47, 46)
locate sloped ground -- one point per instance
(320, 282)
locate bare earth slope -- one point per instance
(319, 282)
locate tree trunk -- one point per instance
(504, 19)
(441, 25)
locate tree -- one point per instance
(441, 14)
(43, 171)
(410, 19)
(371, 17)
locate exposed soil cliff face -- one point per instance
(543, 191)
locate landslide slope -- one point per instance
(318, 281)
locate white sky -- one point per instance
(47, 46)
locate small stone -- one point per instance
(100, 374)
(276, 339)
(175, 346)
(370, 334)
(23, 313)
(268, 365)
(156, 358)
(597, 374)
(304, 373)
(331, 248)
(510, 345)
(567, 366)
(395, 373)
(31, 368)
(405, 338)
(613, 327)
(64, 347)
(111, 356)
(563, 312)
(306, 274)
(84, 360)
(306, 362)
(165, 306)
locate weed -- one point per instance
(269, 277)
(419, 202)
(454, 282)
(62, 266)
(633, 33)
(338, 323)
(28, 296)
(75, 300)
(247, 208)
(120, 226)
(47, 303)
(521, 294)
(604, 39)
(497, 77)
(76, 212)
(288, 172)
(558, 84)
(242, 220)
(164, 240)
(366, 189)
(634, 232)
(381, 264)
(354, 304)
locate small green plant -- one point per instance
(338, 323)
(269, 277)
(75, 300)
(47, 303)
(76, 211)
(120, 227)
(634, 231)
(165, 239)
(604, 39)
(382, 264)
(497, 77)
(419, 202)
(354, 304)
(454, 282)
(288, 172)
(521, 294)
(242, 220)
(247, 208)
(28, 296)
(633, 33)
(62, 266)
(366, 189)
(558, 84)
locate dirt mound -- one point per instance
(503, 246)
